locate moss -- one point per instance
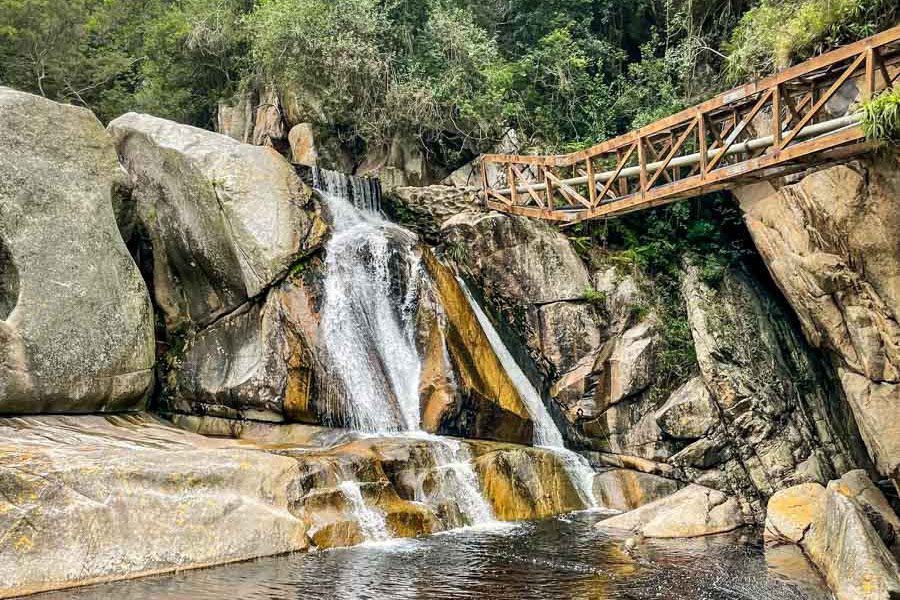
(592, 296)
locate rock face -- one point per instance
(761, 414)
(465, 390)
(260, 362)
(225, 223)
(832, 244)
(694, 511)
(224, 219)
(778, 423)
(838, 529)
(625, 489)
(424, 209)
(530, 276)
(76, 325)
(525, 483)
(91, 498)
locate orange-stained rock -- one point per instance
(488, 404)
(525, 483)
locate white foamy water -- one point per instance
(372, 286)
(546, 433)
(371, 521)
(366, 329)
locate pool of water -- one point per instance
(564, 558)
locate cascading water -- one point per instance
(370, 521)
(372, 285)
(367, 330)
(546, 433)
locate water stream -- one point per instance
(546, 433)
(554, 559)
(372, 283)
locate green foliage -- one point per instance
(592, 296)
(457, 251)
(776, 33)
(174, 58)
(881, 117)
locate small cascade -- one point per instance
(454, 457)
(546, 433)
(370, 520)
(373, 281)
(362, 192)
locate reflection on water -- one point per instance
(564, 558)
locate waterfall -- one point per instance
(370, 520)
(546, 433)
(367, 329)
(372, 285)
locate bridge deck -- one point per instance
(729, 140)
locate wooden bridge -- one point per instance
(724, 142)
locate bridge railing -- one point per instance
(801, 115)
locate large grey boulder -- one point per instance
(76, 325)
(832, 243)
(226, 223)
(225, 219)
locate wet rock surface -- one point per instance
(94, 498)
(76, 325)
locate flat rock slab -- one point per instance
(691, 512)
(93, 498)
(87, 499)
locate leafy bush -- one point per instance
(777, 33)
(881, 117)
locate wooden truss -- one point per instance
(803, 116)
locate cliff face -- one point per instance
(832, 243)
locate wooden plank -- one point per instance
(591, 182)
(511, 184)
(672, 152)
(704, 151)
(823, 99)
(776, 119)
(623, 160)
(527, 184)
(739, 129)
(642, 163)
(869, 89)
(568, 191)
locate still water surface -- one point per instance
(565, 558)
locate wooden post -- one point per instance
(870, 75)
(549, 184)
(592, 185)
(484, 182)
(623, 181)
(776, 120)
(704, 149)
(642, 162)
(511, 181)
